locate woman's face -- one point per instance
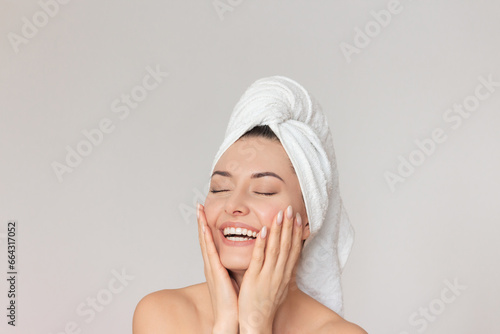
(252, 181)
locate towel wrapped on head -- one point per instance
(301, 126)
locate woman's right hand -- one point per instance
(222, 287)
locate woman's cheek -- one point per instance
(214, 209)
(210, 208)
(269, 212)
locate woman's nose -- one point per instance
(236, 203)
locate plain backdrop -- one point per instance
(126, 208)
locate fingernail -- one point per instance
(279, 220)
(203, 228)
(299, 220)
(197, 210)
(263, 232)
(289, 212)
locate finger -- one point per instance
(272, 250)
(286, 242)
(295, 250)
(201, 236)
(258, 253)
(211, 250)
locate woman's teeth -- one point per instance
(245, 234)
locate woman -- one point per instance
(264, 192)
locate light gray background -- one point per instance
(130, 204)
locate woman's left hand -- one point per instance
(265, 283)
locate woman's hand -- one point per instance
(265, 283)
(222, 287)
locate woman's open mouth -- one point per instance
(238, 236)
(238, 233)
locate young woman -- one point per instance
(251, 230)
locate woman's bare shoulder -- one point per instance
(340, 326)
(164, 311)
(334, 323)
(326, 320)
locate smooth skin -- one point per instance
(249, 289)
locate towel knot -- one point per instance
(273, 100)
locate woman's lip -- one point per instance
(235, 243)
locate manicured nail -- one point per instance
(279, 220)
(197, 210)
(203, 228)
(289, 212)
(263, 232)
(299, 220)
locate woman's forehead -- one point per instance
(254, 153)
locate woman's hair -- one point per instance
(261, 131)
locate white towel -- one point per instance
(300, 124)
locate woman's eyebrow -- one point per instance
(253, 176)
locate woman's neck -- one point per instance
(237, 276)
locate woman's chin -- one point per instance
(235, 264)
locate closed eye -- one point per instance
(218, 191)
